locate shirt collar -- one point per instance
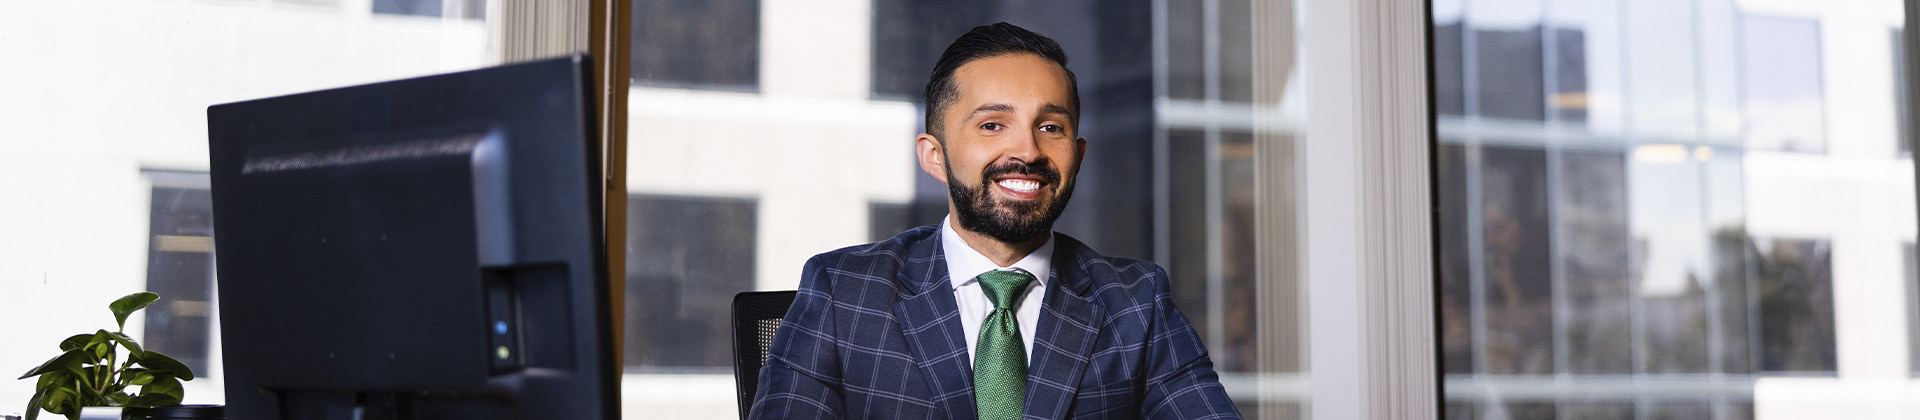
(964, 263)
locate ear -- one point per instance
(933, 157)
(1079, 153)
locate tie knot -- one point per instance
(1002, 287)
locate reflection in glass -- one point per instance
(1795, 294)
(1596, 264)
(1520, 337)
(1636, 191)
(1661, 73)
(686, 258)
(1782, 85)
(1457, 329)
(705, 44)
(180, 269)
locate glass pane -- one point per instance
(1783, 88)
(1598, 411)
(1449, 97)
(1186, 49)
(711, 44)
(180, 270)
(1662, 91)
(1518, 294)
(681, 278)
(1597, 264)
(1236, 51)
(908, 38)
(1458, 326)
(1167, 177)
(1187, 193)
(1690, 212)
(1795, 305)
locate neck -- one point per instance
(1002, 253)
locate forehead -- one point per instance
(1026, 81)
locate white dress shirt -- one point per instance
(964, 264)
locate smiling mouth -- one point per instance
(1020, 185)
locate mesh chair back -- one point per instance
(756, 316)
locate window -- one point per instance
(1636, 189)
(468, 9)
(1782, 87)
(909, 36)
(180, 268)
(699, 44)
(686, 258)
(1795, 294)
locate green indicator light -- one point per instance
(501, 352)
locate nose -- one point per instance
(1025, 146)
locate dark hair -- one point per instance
(986, 42)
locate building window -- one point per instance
(909, 36)
(1601, 216)
(1795, 298)
(1782, 88)
(465, 9)
(686, 258)
(696, 44)
(180, 267)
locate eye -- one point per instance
(992, 126)
(1053, 128)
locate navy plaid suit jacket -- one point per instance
(875, 333)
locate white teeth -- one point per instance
(1020, 185)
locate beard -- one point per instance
(1009, 222)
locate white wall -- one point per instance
(91, 92)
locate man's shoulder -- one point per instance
(886, 264)
(1103, 275)
(899, 248)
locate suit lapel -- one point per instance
(930, 320)
(1069, 323)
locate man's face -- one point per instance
(1010, 152)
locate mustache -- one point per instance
(1038, 168)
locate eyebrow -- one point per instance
(986, 108)
(999, 107)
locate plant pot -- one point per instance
(113, 413)
(188, 412)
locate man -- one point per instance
(990, 315)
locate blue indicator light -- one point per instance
(500, 327)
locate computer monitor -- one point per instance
(427, 248)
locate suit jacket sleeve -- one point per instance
(1181, 383)
(801, 379)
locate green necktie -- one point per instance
(1000, 357)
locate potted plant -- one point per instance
(90, 371)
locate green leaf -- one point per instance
(137, 376)
(118, 399)
(99, 344)
(160, 363)
(62, 400)
(69, 361)
(164, 386)
(129, 303)
(33, 404)
(74, 342)
(133, 347)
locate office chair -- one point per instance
(756, 315)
